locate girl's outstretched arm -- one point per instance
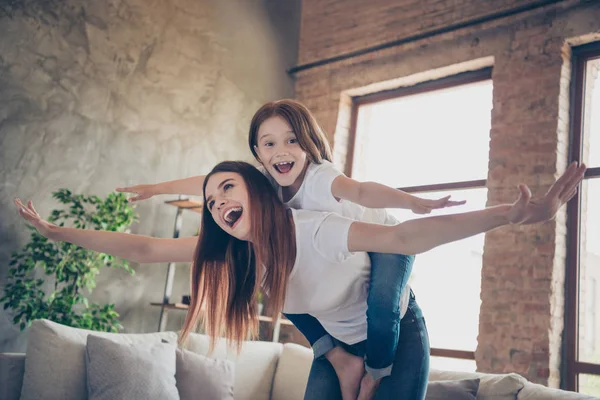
(420, 235)
(136, 248)
(190, 186)
(376, 195)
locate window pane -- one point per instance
(434, 137)
(589, 384)
(452, 364)
(447, 280)
(589, 274)
(592, 110)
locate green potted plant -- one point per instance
(52, 280)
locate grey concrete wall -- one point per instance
(99, 94)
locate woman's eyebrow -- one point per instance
(209, 198)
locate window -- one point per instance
(432, 140)
(582, 300)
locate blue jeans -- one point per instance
(389, 276)
(411, 365)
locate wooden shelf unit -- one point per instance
(181, 306)
(182, 203)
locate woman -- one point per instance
(310, 262)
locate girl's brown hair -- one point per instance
(311, 137)
(227, 273)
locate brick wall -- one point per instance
(522, 311)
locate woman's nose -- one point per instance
(221, 203)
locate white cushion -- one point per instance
(55, 359)
(292, 372)
(491, 386)
(254, 367)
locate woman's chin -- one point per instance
(238, 232)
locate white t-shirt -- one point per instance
(327, 281)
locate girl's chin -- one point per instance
(285, 180)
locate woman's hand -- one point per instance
(425, 206)
(142, 192)
(30, 215)
(527, 210)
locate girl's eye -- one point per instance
(293, 141)
(227, 186)
(211, 204)
(268, 144)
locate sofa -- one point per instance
(263, 370)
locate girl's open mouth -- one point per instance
(284, 167)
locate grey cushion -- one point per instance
(130, 371)
(197, 374)
(55, 360)
(491, 386)
(465, 389)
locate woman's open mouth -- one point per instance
(284, 167)
(232, 216)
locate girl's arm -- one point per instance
(136, 248)
(420, 235)
(189, 186)
(376, 195)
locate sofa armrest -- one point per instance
(12, 368)
(533, 391)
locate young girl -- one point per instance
(295, 155)
(308, 262)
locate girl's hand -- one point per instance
(142, 192)
(29, 213)
(527, 210)
(425, 206)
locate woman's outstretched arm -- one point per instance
(420, 235)
(136, 248)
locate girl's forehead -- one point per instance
(275, 125)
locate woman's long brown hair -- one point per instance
(310, 135)
(227, 272)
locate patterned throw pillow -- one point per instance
(130, 371)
